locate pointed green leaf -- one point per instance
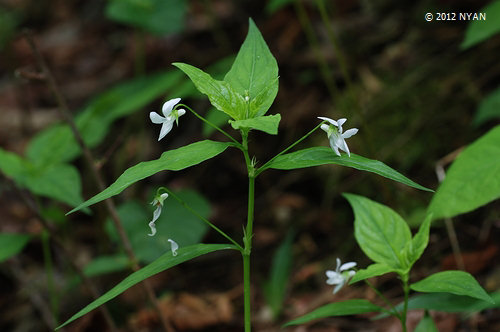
(455, 282)
(417, 245)
(322, 156)
(58, 181)
(349, 307)
(373, 270)
(268, 124)
(472, 180)
(480, 30)
(11, 244)
(380, 232)
(173, 160)
(426, 324)
(255, 73)
(448, 302)
(220, 93)
(163, 263)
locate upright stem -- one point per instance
(247, 239)
(406, 289)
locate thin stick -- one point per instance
(65, 114)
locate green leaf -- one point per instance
(11, 244)
(349, 307)
(414, 249)
(268, 124)
(163, 263)
(489, 108)
(220, 93)
(254, 73)
(157, 17)
(275, 286)
(175, 222)
(58, 181)
(173, 160)
(426, 324)
(380, 232)
(373, 270)
(57, 144)
(455, 282)
(450, 302)
(478, 31)
(472, 180)
(322, 156)
(106, 264)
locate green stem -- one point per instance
(211, 125)
(190, 209)
(264, 167)
(246, 293)
(406, 289)
(248, 234)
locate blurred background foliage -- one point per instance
(418, 91)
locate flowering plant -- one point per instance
(246, 94)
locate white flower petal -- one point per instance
(325, 127)
(173, 246)
(338, 287)
(153, 228)
(350, 132)
(166, 128)
(333, 122)
(335, 280)
(156, 118)
(162, 198)
(169, 105)
(347, 266)
(340, 122)
(181, 112)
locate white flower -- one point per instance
(336, 135)
(170, 116)
(158, 201)
(173, 246)
(341, 275)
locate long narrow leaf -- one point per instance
(161, 264)
(322, 156)
(173, 160)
